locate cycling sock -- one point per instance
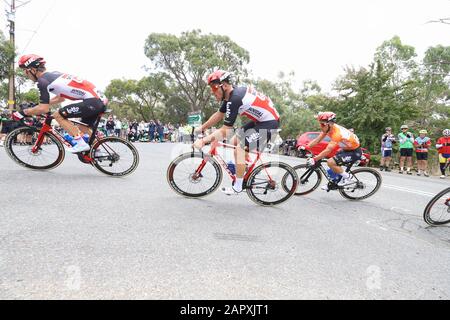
(238, 185)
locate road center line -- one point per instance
(403, 189)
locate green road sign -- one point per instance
(195, 119)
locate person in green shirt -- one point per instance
(406, 140)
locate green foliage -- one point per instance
(6, 56)
(188, 59)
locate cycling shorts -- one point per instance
(346, 157)
(422, 156)
(256, 135)
(387, 153)
(404, 152)
(88, 110)
(443, 158)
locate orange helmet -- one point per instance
(326, 117)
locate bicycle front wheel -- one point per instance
(272, 183)
(437, 212)
(194, 175)
(114, 157)
(309, 179)
(367, 183)
(19, 145)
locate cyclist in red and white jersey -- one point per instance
(63, 86)
(246, 102)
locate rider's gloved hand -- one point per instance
(311, 162)
(18, 115)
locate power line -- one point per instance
(39, 26)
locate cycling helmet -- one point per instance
(326, 117)
(219, 76)
(446, 132)
(31, 61)
(423, 132)
(404, 127)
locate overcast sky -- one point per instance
(101, 40)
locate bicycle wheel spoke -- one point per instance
(272, 184)
(184, 179)
(115, 157)
(437, 211)
(47, 157)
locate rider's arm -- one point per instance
(331, 146)
(57, 100)
(38, 110)
(217, 135)
(215, 118)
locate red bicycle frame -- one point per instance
(47, 128)
(213, 153)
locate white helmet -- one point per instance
(446, 132)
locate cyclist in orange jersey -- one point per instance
(342, 137)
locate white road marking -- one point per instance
(403, 189)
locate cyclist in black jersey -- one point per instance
(63, 86)
(244, 101)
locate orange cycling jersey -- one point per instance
(346, 139)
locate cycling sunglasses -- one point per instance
(215, 87)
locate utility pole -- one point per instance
(12, 25)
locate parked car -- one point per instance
(307, 137)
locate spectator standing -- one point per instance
(443, 146)
(124, 129)
(151, 130)
(387, 143)
(160, 130)
(118, 128)
(110, 127)
(406, 140)
(422, 144)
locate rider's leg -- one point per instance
(73, 130)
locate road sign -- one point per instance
(195, 119)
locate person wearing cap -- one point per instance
(387, 142)
(443, 147)
(422, 145)
(406, 140)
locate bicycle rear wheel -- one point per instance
(272, 183)
(114, 157)
(437, 212)
(308, 179)
(367, 183)
(19, 146)
(194, 175)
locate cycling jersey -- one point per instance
(346, 139)
(445, 142)
(66, 86)
(422, 145)
(246, 101)
(405, 142)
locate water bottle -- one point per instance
(86, 138)
(231, 167)
(333, 176)
(69, 139)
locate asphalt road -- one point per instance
(73, 233)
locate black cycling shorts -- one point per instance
(406, 152)
(422, 155)
(346, 157)
(256, 135)
(88, 110)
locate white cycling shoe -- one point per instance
(346, 182)
(230, 191)
(80, 147)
